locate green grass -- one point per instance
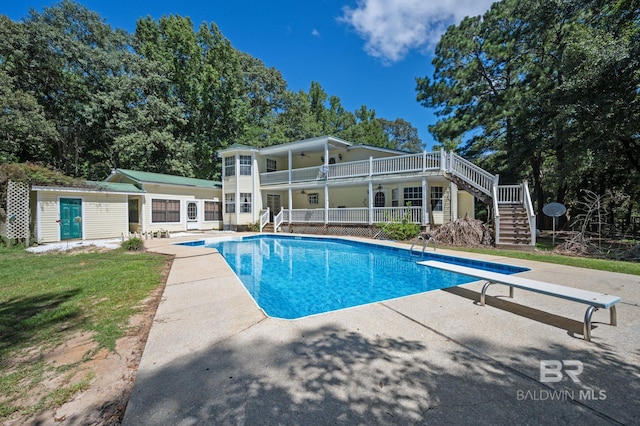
(47, 297)
(632, 268)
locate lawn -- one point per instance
(545, 256)
(46, 298)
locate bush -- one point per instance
(402, 230)
(133, 244)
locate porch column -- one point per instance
(237, 195)
(424, 200)
(326, 203)
(290, 157)
(290, 197)
(255, 207)
(370, 202)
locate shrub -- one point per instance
(133, 244)
(400, 230)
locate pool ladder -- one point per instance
(425, 243)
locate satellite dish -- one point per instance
(555, 210)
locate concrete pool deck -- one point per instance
(213, 357)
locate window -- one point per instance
(436, 198)
(272, 165)
(230, 166)
(212, 210)
(313, 198)
(413, 195)
(165, 210)
(245, 165)
(394, 197)
(245, 202)
(230, 203)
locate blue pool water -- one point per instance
(292, 277)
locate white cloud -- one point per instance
(315, 33)
(391, 28)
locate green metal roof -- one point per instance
(115, 187)
(148, 177)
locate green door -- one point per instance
(70, 218)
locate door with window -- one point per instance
(192, 215)
(274, 202)
(70, 218)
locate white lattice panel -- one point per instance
(17, 210)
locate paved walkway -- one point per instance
(213, 357)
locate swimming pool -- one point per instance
(291, 277)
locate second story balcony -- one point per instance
(410, 163)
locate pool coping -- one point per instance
(208, 323)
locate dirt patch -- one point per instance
(110, 374)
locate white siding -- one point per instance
(184, 195)
(103, 215)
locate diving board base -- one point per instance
(593, 299)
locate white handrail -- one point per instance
(277, 220)
(264, 219)
(528, 204)
(496, 213)
(470, 173)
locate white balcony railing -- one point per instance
(373, 167)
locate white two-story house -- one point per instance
(331, 186)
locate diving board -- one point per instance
(593, 299)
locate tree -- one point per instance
(548, 85)
(402, 135)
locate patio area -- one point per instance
(213, 357)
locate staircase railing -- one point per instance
(264, 219)
(277, 220)
(470, 173)
(496, 212)
(528, 205)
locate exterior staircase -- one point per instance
(514, 219)
(268, 227)
(514, 225)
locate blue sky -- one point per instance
(366, 52)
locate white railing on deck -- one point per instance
(510, 194)
(305, 174)
(350, 169)
(396, 214)
(277, 220)
(470, 173)
(528, 205)
(349, 215)
(281, 176)
(264, 218)
(307, 216)
(402, 163)
(378, 166)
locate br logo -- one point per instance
(551, 370)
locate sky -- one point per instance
(366, 52)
